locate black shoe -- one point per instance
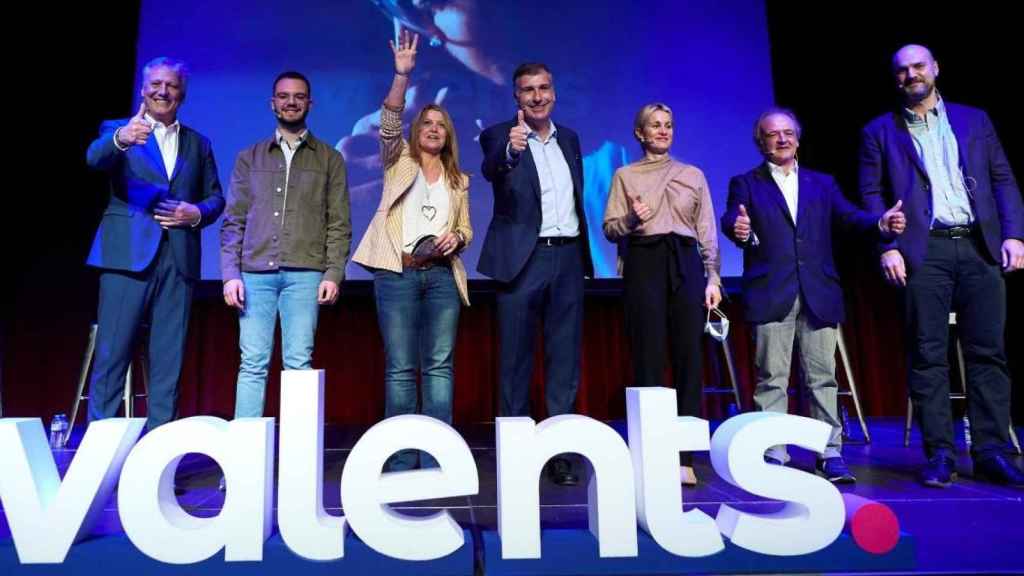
(773, 461)
(560, 472)
(997, 469)
(939, 472)
(835, 471)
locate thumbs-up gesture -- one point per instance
(741, 228)
(893, 222)
(405, 52)
(137, 131)
(517, 135)
(641, 211)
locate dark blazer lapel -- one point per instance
(805, 195)
(571, 160)
(185, 138)
(907, 142)
(152, 150)
(773, 191)
(961, 130)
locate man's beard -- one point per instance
(289, 124)
(919, 96)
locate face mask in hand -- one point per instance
(719, 328)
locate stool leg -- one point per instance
(144, 380)
(83, 375)
(845, 357)
(963, 385)
(128, 392)
(910, 421)
(731, 368)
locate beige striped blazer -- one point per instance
(381, 246)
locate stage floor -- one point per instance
(970, 528)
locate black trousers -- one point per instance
(663, 290)
(956, 277)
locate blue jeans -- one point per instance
(293, 293)
(418, 313)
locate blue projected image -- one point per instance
(709, 61)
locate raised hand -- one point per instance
(517, 135)
(893, 222)
(405, 52)
(137, 131)
(741, 228)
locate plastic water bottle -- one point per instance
(58, 431)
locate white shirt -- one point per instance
(167, 141)
(424, 211)
(289, 152)
(788, 184)
(557, 208)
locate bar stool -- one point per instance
(851, 387)
(851, 390)
(730, 366)
(129, 396)
(961, 395)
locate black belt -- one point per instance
(952, 232)
(556, 240)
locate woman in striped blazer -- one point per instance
(412, 247)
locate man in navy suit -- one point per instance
(536, 248)
(782, 216)
(163, 188)
(964, 221)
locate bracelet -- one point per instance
(404, 75)
(117, 143)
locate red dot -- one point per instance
(875, 528)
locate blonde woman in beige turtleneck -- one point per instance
(659, 213)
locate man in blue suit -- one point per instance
(782, 216)
(964, 221)
(536, 248)
(163, 188)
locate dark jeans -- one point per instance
(418, 313)
(955, 277)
